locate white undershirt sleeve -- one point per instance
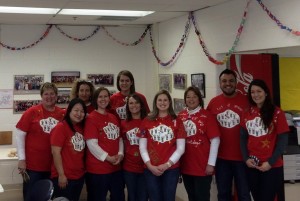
(20, 137)
(96, 150)
(121, 147)
(143, 149)
(213, 152)
(180, 147)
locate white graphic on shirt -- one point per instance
(190, 128)
(161, 133)
(228, 119)
(111, 131)
(131, 136)
(48, 124)
(121, 111)
(255, 127)
(78, 141)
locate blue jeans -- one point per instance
(34, 177)
(72, 190)
(197, 187)
(226, 172)
(98, 185)
(136, 186)
(162, 188)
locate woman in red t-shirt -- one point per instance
(105, 151)
(162, 142)
(263, 140)
(33, 138)
(133, 165)
(68, 149)
(126, 86)
(198, 162)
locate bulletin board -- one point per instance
(289, 73)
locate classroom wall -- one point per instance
(100, 54)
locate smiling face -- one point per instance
(125, 84)
(49, 98)
(134, 106)
(162, 103)
(84, 93)
(228, 84)
(192, 100)
(258, 95)
(77, 113)
(103, 99)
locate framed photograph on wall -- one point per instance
(63, 98)
(21, 106)
(28, 84)
(165, 82)
(101, 79)
(179, 105)
(64, 79)
(179, 81)
(198, 80)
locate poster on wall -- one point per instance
(198, 80)
(101, 79)
(28, 84)
(256, 66)
(64, 79)
(165, 82)
(179, 81)
(20, 106)
(6, 98)
(63, 98)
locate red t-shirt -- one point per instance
(90, 108)
(132, 159)
(118, 104)
(72, 152)
(161, 135)
(200, 128)
(228, 112)
(106, 129)
(38, 123)
(261, 142)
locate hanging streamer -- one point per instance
(31, 45)
(295, 32)
(78, 39)
(124, 43)
(180, 46)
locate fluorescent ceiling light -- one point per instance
(127, 13)
(28, 10)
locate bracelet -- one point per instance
(168, 164)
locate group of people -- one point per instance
(110, 143)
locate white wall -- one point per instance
(218, 26)
(99, 54)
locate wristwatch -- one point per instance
(168, 164)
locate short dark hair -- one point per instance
(227, 72)
(197, 92)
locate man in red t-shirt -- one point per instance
(228, 108)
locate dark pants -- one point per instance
(98, 185)
(34, 177)
(265, 185)
(226, 172)
(72, 190)
(162, 188)
(197, 187)
(136, 186)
